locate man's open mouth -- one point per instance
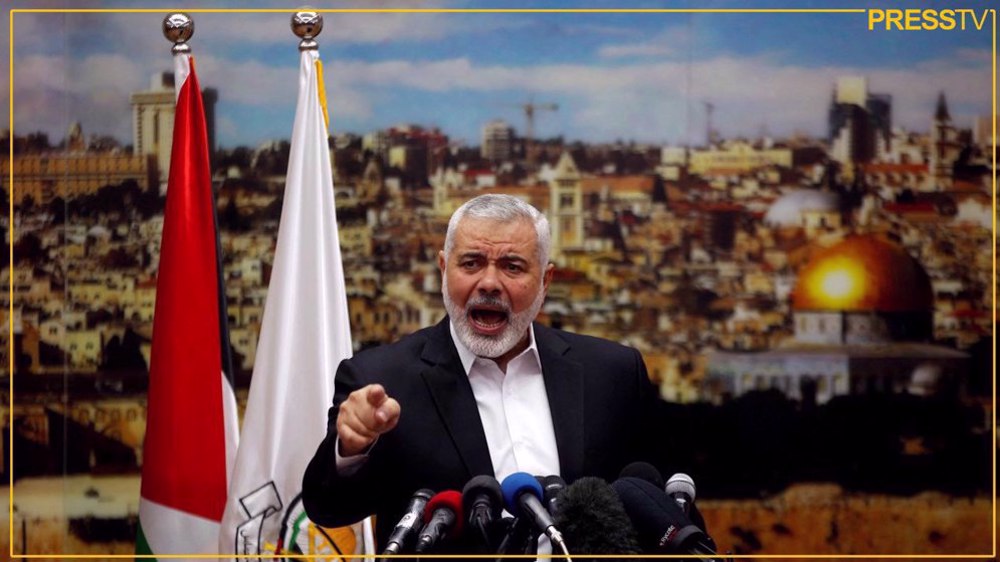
(488, 321)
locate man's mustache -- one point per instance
(488, 301)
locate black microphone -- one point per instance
(552, 486)
(482, 501)
(680, 486)
(661, 526)
(593, 520)
(643, 470)
(523, 496)
(409, 525)
(443, 514)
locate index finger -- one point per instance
(376, 395)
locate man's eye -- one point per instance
(515, 267)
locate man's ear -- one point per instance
(547, 276)
(441, 261)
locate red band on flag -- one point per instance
(184, 456)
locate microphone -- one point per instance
(523, 496)
(659, 522)
(443, 514)
(593, 519)
(642, 470)
(410, 523)
(680, 486)
(552, 486)
(482, 501)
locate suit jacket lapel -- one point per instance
(456, 404)
(564, 385)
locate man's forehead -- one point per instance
(480, 232)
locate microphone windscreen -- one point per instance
(515, 485)
(643, 471)
(424, 493)
(659, 522)
(448, 499)
(681, 483)
(593, 520)
(483, 484)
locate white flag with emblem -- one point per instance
(304, 336)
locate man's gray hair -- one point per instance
(505, 208)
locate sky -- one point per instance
(630, 77)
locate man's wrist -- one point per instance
(347, 465)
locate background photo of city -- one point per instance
(789, 215)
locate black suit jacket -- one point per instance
(599, 395)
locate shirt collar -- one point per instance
(468, 358)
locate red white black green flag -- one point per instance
(192, 427)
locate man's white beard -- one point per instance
(490, 346)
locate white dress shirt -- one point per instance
(514, 409)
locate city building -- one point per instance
(566, 207)
(945, 145)
(984, 131)
(863, 319)
(44, 177)
(810, 209)
(153, 120)
(859, 122)
(497, 141)
(736, 157)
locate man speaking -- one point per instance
(485, 391)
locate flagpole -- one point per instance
(191, 430)
(306, 26)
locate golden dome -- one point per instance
(862, 273)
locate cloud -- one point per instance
(85, 67)
(595, 29)
(650, 49)
(664, 99)
(976, 56)
(52, 92)
(248, 82)
(662, 45)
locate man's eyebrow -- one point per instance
(479, 254)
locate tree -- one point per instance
(57, 208)
(27, 205)
(230, 219)
(659, 194)
(28, 249)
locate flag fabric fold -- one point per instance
(305, 333)
(192, 426)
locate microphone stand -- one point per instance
(517, 541)
(522, 533)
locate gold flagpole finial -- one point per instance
(178, 28)
(307, 25)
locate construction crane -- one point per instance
(529, 108)
(709, 133)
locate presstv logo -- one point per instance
(927, 20)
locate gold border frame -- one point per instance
(10, 288)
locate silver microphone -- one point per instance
(680, 486)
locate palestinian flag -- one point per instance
(191, 432)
